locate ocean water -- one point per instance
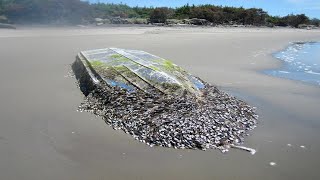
(301, 61)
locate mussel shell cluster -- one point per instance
(214, 121)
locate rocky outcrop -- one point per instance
(7, 26)
(119, 20)
(196, 21)
(5, 23)
(4, 19)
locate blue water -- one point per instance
(301, 61)
(121, 84)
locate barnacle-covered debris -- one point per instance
(159, 103)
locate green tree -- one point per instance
(183, 12)
(1, 7)
(296, 20)
(143, 12)
(113, 10)
(160, 15)
(46, 11)
(315, 22)
(76, 11)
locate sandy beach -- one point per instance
(42, 136)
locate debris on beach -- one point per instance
(252, 151)
(303, 147)
(159, 103)
(273, 164)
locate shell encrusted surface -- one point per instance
(159, 103)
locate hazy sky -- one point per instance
(274, 7)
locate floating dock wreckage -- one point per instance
(159, 103)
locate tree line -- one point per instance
(77, 11)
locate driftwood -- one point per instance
(252, 151)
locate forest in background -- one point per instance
(81, 12)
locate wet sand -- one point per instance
(42, 136)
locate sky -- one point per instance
(274, 7)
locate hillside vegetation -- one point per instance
(80, 12)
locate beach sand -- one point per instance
(42, 136)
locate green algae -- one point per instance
(97, 63)
(168, 65)
(119, 58)
(116, 56)
(121, 68)
(116, 66)
(154, 68)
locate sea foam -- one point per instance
(301, 61)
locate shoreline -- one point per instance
(47, 30)
(43, 136)
(282, 63)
